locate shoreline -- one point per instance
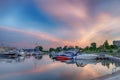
(112, 76)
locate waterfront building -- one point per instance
(2, 48)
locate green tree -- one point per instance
(113, 47)
(77, 47)
(39, 48)
(111, 51)
(58, 49)
(51, 49)
(70, 47)
(93, 45)
(118, 50)
(86, 48)
(106, 45)
(65, 48)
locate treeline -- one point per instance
(105, 47)
(65, 48)
(57, 49)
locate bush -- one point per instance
(119, 51)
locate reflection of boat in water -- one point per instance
(38, 57)
(6, 59)
(82, 63)
(12, 59)
(72, 61)
(20, 59)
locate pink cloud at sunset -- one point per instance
(63, 22)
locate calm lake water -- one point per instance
(44, 68)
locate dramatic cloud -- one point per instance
(61, 22)
(50, 40)
(86, 18)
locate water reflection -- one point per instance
(9, 59)
(83, 63)
(39, 57)
(41, 67)
(12, 59)
(79, 63)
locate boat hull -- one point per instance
(62, 58)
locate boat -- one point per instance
(64, 56)
(21, 53)
(86, 56)
(9, 53)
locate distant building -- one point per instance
(2, 48)
(117, 43)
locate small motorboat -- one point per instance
(21, 52)
(86, 56)
(64, 56)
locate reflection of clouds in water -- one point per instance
(66, 70)
(12, 59)
(32, 71)
(92, 69)
(67, 75)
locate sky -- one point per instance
(54, 23)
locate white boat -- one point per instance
(10, 53)
(21, 53)
(86, 56)
(72, 51)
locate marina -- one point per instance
(59, 39)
